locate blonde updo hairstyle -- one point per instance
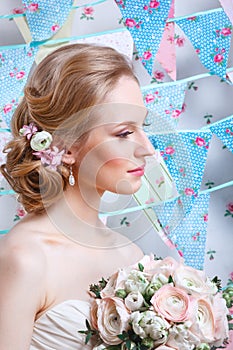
(69, 80)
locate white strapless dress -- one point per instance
(58, 328)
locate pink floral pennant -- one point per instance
(166, 54)
(210, 34)
(145, 19)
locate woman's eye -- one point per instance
(124, 134)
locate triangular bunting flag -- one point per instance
(224, 130)
(120, 41)
(146, 21)
(187, 232)
(185, 155)
(210, 34)
(166, 100)
(166, 54)
(45, 17)
(4, 138)
(15, 66)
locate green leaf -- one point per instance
(141, 267)
(170, 279)
(217, 282)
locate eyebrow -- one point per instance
(133, 121)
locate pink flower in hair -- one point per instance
(51, 157)
(28, 130)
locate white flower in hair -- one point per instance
(41, 141)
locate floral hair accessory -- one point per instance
(40, 141)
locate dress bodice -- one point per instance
(58, 328)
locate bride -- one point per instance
(76, 134)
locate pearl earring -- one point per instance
(71, 177)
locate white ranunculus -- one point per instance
(148, 324)
(160, 279)
(134, 301)
(190, 279)
(41, 141)
(136, 281)
(181, 338)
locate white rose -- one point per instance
(134, 301)
(148, 324)
(136, 281)
(41, 141)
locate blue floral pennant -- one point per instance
(145, 19)
(167, 102)
(210, 35)
(186, 232)
(185, 155)
(45, 17)
(15, 65)
(224, 130)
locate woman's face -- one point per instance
(116, 150)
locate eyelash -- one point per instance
(146, 124)
(125, 134)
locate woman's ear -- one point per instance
(68, 158)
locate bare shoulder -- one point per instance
(19, 250)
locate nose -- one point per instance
(144, 147)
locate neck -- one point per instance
(76, 216)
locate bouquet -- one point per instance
(158, 304)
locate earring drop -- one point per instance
(71, 177)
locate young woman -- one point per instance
(76, 133)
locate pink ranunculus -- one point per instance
(147, 55)
(189, 191)
(33, 7)
(158, 75)
(55, 27)
(112, 319)
(169, 150)
(130, 22)
(20, 75)
(230, 207)
(172, 303)
(149, 98)
(176, 113)
(218, 58)
(220, 311)
(200, 141)
(7, 108)
(154, 4)
(226, 31)
(88, 11)
(180, 42)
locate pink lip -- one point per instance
(138, 171)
